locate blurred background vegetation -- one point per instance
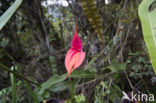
(34, 42)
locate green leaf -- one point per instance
(83, 74)
(51, 81)
(56, 79)
(115, 66)
(115, 92)
(13, 86)
(34, 96)
(6, 16)
(60, 86)
(147, 14)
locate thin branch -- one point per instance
(70, 5)
(124, 43)
(132, 87)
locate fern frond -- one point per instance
(91, 11)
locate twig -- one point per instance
(70, 5)
(122, 48)
(129, 80)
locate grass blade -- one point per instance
(34, 96)
(6, 16)
(13, 86)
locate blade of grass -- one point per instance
(6, 16)
(33, 94)
(13, 86)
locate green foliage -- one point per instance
(91, 11)
(13, 85)
(6, 93)
(51, 81)
(52, 64)
(60, 86)
(6, 16)
(33, 94)
(84, 74)
(115, 66)
(57, 79)
(100, 79)
(139, 65)
(80, 98)
(102, 90)
(148, 21)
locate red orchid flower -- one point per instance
(75, 55)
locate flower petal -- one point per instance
(79, 60)
(68, 58)
(72, 62)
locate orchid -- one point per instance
(75, 55)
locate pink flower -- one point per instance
(75, 55)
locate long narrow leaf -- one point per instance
(51, 81)
(13, 86)
(148, 21)
(34, 96)
(6, 16)
(54, 80)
